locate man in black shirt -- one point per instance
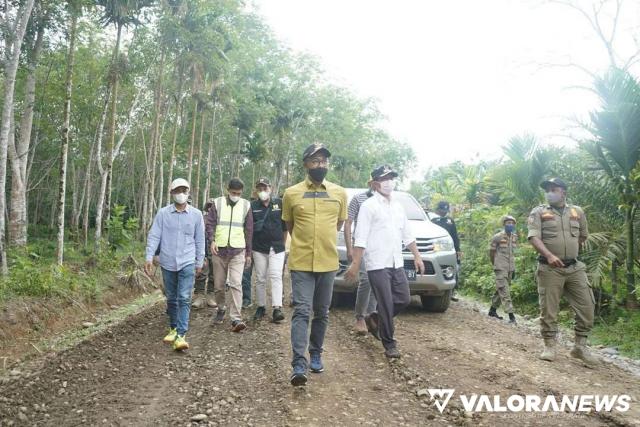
(446, 222)
(269, 237)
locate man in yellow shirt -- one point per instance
(314, 211)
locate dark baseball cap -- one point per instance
(383, 172)
(263, 181)
(553, 181)
(442, 205)
(315, 148)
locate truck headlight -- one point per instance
(448, 271)
(442, 244)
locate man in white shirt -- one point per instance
(383, 230)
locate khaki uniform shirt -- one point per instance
(505, 247)
(315, 212)
(559, 229)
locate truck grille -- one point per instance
(424, 245)
(428, 266)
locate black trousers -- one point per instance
(391, 288)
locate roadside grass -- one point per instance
(621, 330)
(74, 336)
(85, 274)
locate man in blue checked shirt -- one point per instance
(178, 230)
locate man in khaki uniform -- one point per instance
(556, 230)
(502, 256)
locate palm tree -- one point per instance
(615, 148)
(518, 180)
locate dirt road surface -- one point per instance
(127, 376)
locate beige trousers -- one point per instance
(571, 282)
(228, 270)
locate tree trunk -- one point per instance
(237, 162)
(631, 301)
(160, 189)
(10, 70)
(153, 148)
(194, 119)
(98, 160)
(176, 128)
(19, 153)
(207, 188)
(74, 197)
(196, 185)
(103, 206)
(64, 149)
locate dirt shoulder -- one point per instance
(127, 376)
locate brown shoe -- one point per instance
(238, 326)
(360, 327)
(372, 325)
(211, 301)
(198, 301)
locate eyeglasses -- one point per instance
(319, 162)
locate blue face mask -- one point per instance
(509, 228)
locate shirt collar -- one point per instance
(381, 199)
(173, 208)
(310, 183)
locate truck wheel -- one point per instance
(436, 304)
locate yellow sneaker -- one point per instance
(180, 343)
(171, 336)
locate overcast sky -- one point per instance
(456, 78)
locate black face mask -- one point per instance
(318, 174)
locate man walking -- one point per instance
(365, 300)
(446, 222)
(203, 289)
(229, 229)
(314, 211)
(502, 255)
(556, 231)
(269, 237)
(178, 230)
(383, 230)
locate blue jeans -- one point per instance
(311, 291)
(177, 288)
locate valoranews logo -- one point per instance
(532, 403)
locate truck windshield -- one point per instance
(412, 209)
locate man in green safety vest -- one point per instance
(230, 230)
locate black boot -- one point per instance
(512, 319)
(260, 312)
(492, 313)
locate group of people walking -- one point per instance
(233, 234)
(557, 230)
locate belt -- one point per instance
(566, 262)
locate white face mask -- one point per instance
(181, 198)
(234, 199)
(264, 195)
(553, 197)
(387, 187)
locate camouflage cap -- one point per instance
(263, 181)
(506, 218)
(315, 148)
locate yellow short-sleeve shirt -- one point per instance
(315, 211)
